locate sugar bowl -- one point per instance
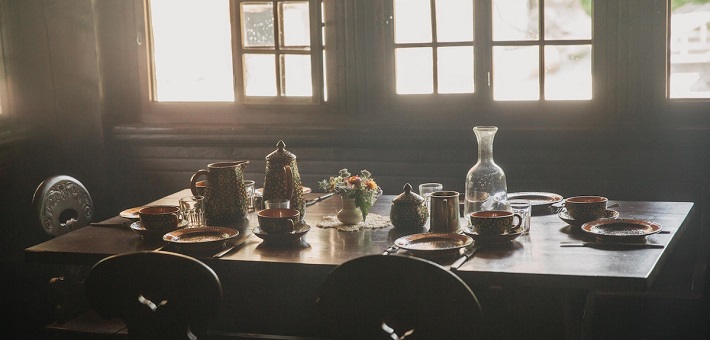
(408, 210)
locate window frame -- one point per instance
(240, 109)
(480, 104)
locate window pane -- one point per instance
(414, 70)
(515, 73)
(567, 19)
(690, 51)
(454, 20)
(412, 22)
(257, 25)
(259, 75)
(568, 72)
(192, 50)
(296, 29)
(455, 66)
(297, 74)
(515, 20)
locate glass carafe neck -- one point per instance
(484, 136)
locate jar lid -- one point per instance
(408, 197)
(281, 155)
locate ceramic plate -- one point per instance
(433, 244)
(138, 228)
(131, 213)
(620, 229)
(260, 191)
(540, 201)
(563, 215)
(491, 239)
(294, 236)
(201, 238)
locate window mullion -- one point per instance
(278, 25)
(434, 47)
(541, 48)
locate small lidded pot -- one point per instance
(408, 210)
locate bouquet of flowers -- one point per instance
(361, 187)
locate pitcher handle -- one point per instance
(194, 178)
(289, 181)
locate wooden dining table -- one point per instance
(272, 288)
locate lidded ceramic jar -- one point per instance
(408, 210)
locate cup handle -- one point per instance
(289, 181)
(176, 219)
(194, 178)
(520, 221)
(293, 225)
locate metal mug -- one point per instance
(444, 215)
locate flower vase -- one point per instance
(349, 214)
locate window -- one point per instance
(528, 49)
(244, 51)
(689, 49)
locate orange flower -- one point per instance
(371, 185)
(354, 180)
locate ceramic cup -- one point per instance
(494, 222)
(586, 208)
(278, 220)
(159, 217)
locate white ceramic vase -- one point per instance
(349, 214)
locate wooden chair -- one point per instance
(398, 297)
(159, 295)
(62, 204)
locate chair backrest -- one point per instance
(159, 295)
(62, 204)
(396, 296)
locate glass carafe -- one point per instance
(486, 188)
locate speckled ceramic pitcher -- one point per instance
(225, 195)
(282, 179)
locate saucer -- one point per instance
(153, 234)
(563, 215)
(491, 239)
(131, 213)
(293, 236)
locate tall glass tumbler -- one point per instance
(192, 209)
(250, 188)
(426, 189)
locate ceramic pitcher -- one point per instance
(225, 195)
(282, 179)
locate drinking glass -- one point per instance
(426, 189)
(192, 209)
(276, 203)
(250, 188)
(524, 209)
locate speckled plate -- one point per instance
(433, 244)
(491, 239)
(621, 229)
(201, 238)
(563, 215)
(540, 201)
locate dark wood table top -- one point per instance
(535, 260)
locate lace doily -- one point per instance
(373, 221)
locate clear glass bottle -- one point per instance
(486, 188)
